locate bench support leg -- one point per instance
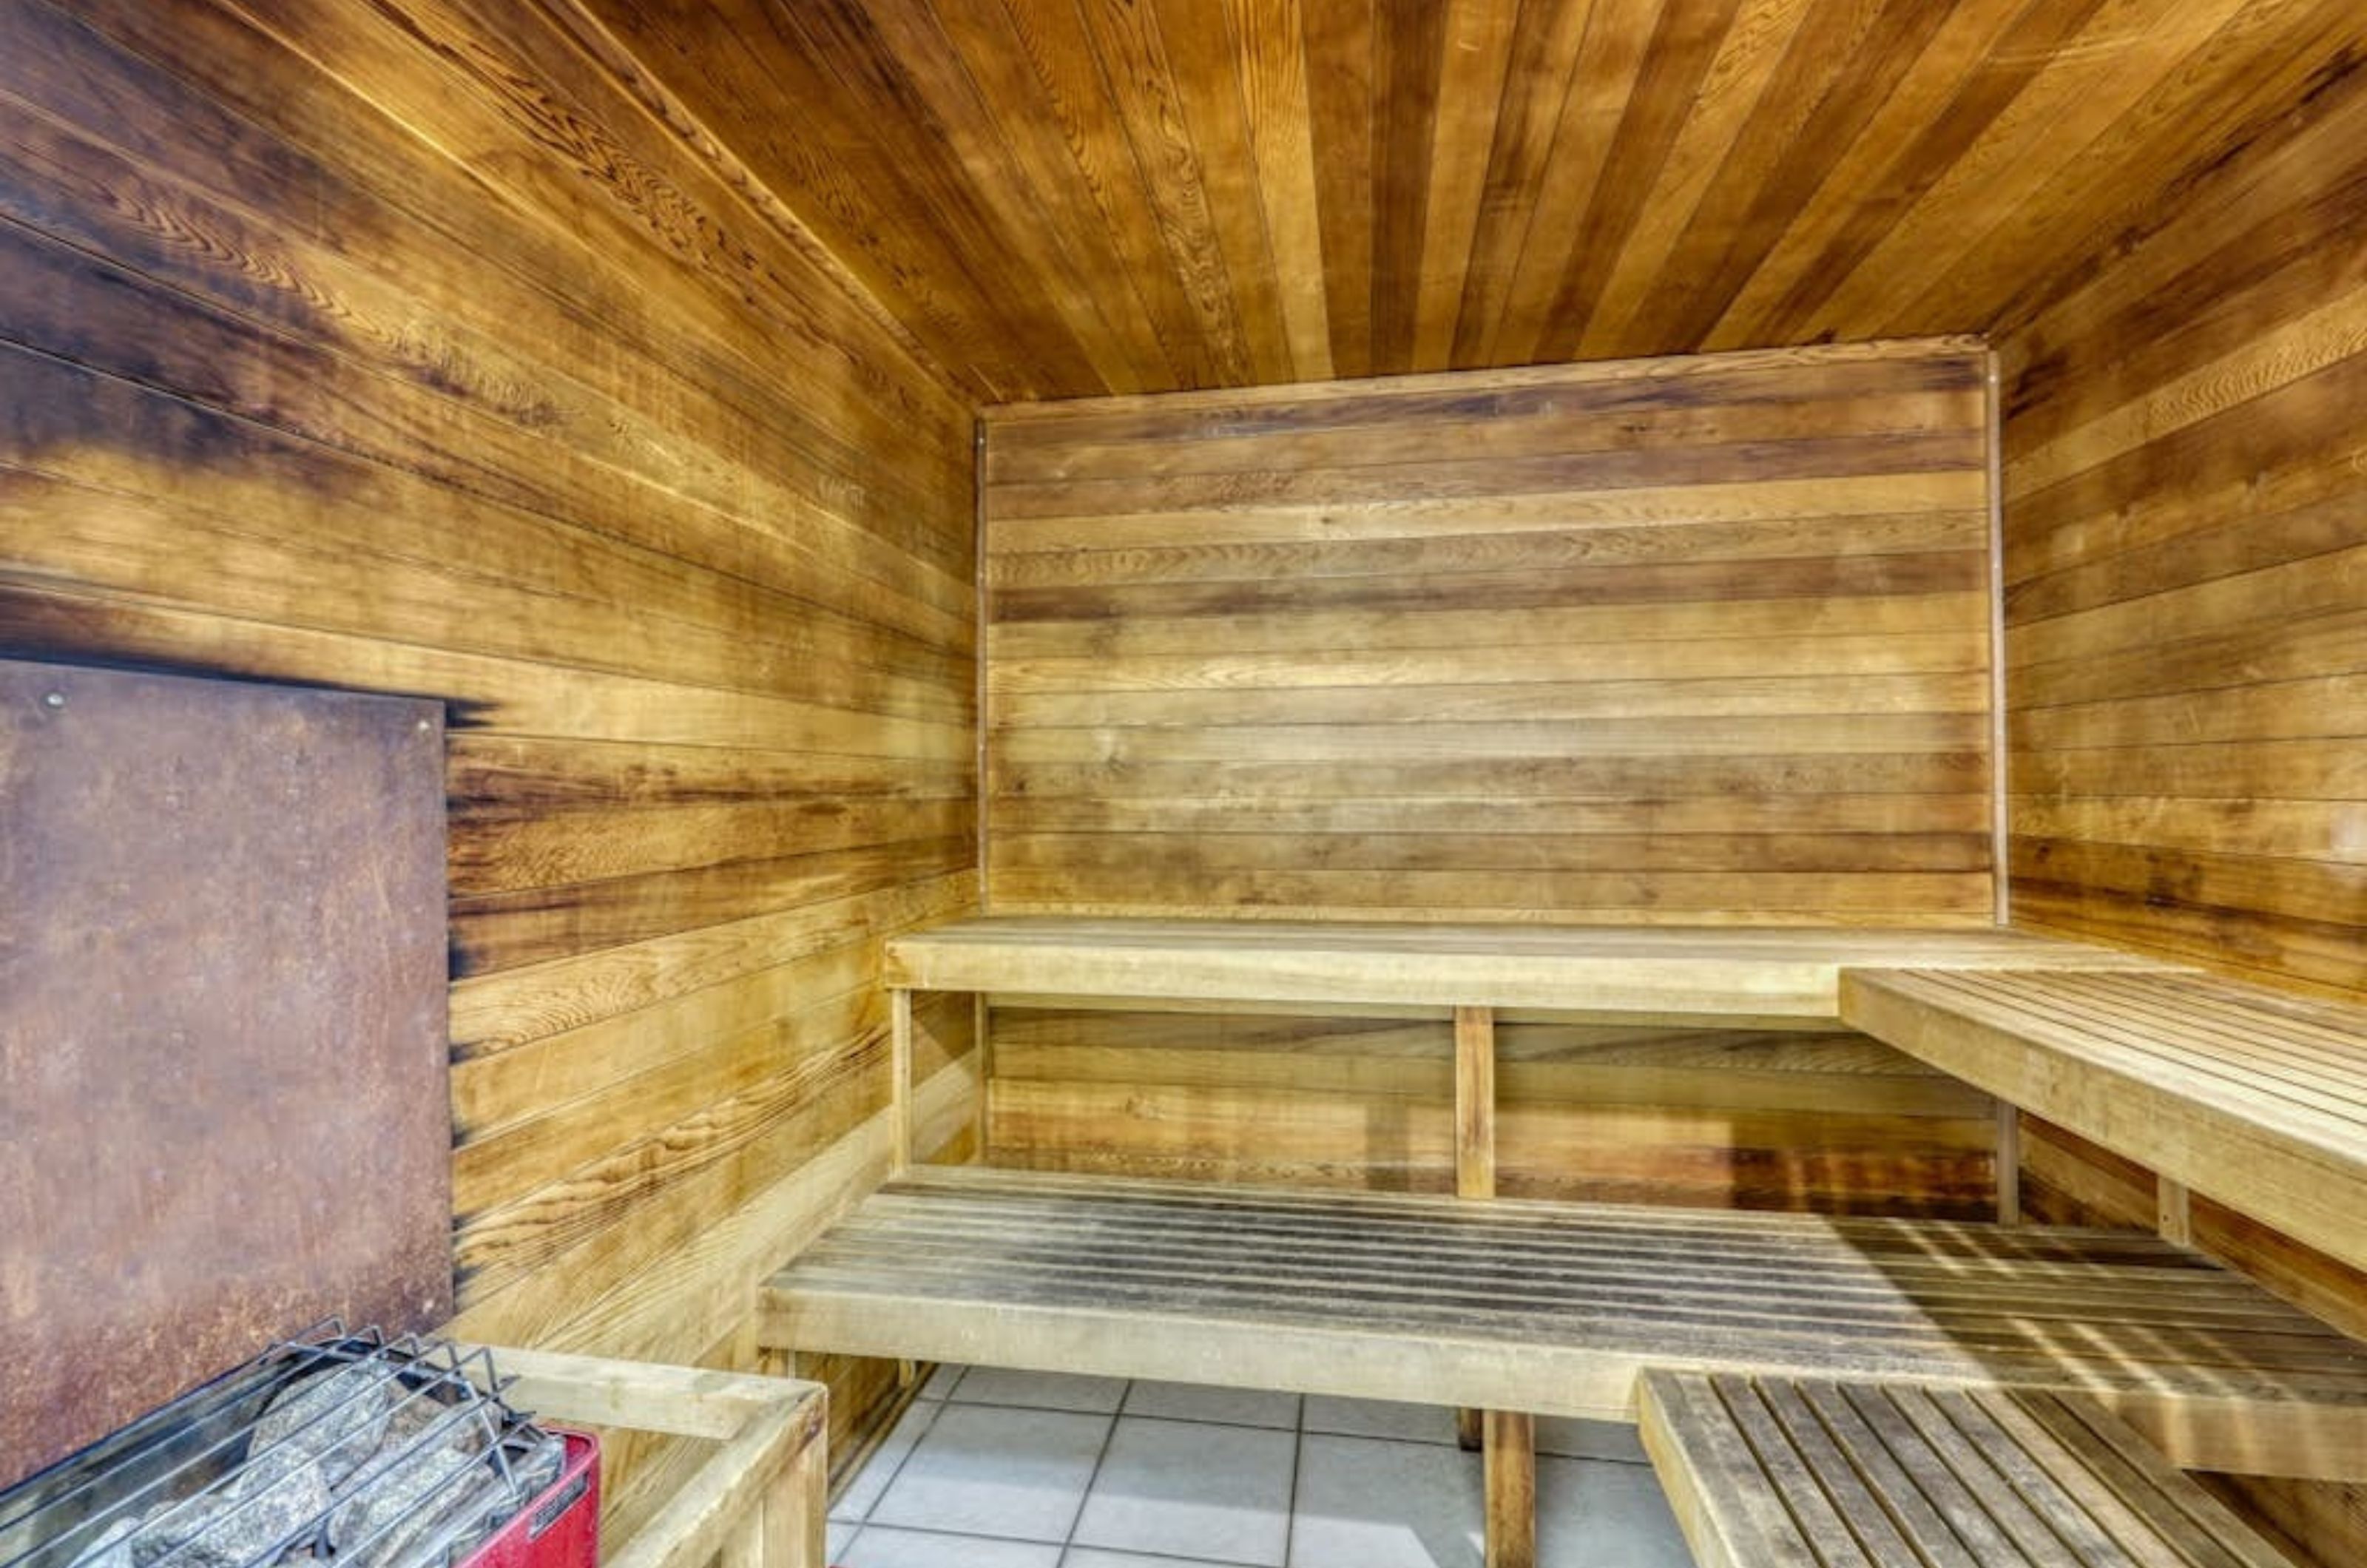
(1511, 1490)
(2174, 1212)
(2009, 1164)
(900, 1081)
(1475, 1143)
(1470, 1430)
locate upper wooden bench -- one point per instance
(2251, 1096)
(1653, 972)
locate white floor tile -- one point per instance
(1594, 1511)
(1369, 1503)
(862, 1493)
(1378, 1418)
(1571, 1439)
(1039, 1391)
(988, 1470)
(941, 1381)
(1098, 1557)
(1190, 1489)
(836, 1537)
(880, 1548)
(1197, 1402)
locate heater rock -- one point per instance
(236, 1527)
(112, 1549)
(335, 1420)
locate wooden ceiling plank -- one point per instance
(1830, 83)
(1964, 46)
(1682, 52)
(986, 136)
(1208, 92)
(1545, 43)
(2104, 75)
(1942, 136)
(1340, 38)
(1270, 67)
(1052, 40)
(1476, 53)
(1141, 89)
(1409, 39)
(2243, 89)
(1053, 181)
(1739, 76)
(1627, 45)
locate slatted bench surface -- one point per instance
(1774, 1473)
(2248, 1095)
(1554, 1308)
(1650, 971)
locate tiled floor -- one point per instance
(992, 1469)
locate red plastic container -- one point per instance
(560, 1529)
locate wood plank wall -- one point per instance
(1686, 640)
(423, 347)
(2186, 563)
(1666, 641)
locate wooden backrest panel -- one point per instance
(1669, 641)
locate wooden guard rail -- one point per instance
(758, 1502)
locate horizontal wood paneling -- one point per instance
(425, 348)
(1127, 195)
(2186, 529)
(2186, 534)
(1684, 640)
(1817, 1121)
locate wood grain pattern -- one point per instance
(1557, 1307)
(1591, 644)
(2184, 495)
(2185, 546)
(2233, 1092)
(1819, 1474)
(427, 347)
(1075, 199)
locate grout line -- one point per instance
(1109, 1436)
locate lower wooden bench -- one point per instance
(1779, 1472)
(1555, 1309)
(757, 1501)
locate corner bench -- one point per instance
(1779, 1472)
(1561, 1309)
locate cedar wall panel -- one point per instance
(422, 347)
(1669, 641)
(2186, 599)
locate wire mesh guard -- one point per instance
(337, 1448)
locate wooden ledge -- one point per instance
(2247, 1096)
(759, 1501)
(1644, 974)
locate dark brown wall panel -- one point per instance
(425, 347)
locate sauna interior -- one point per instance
(1726, 478)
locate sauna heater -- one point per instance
(336, 1449)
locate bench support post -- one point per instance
(1475, 1102)
(1511, 1490)
(2174, 1212)
(900, 1081)
(1475, 1145)
(2009, 1163)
